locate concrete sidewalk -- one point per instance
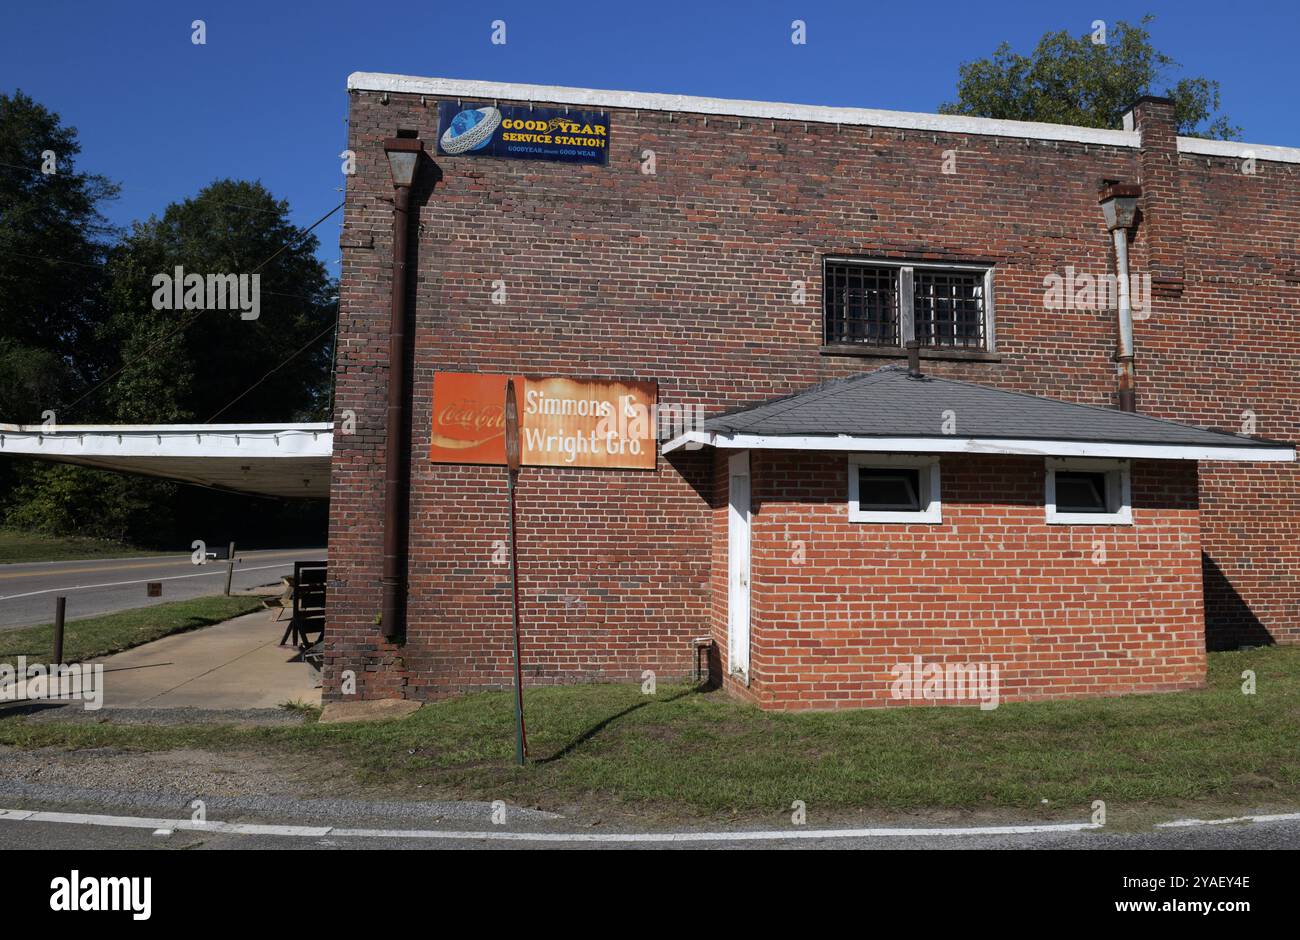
(235, 664)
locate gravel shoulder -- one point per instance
(231, 785)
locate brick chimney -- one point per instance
(1161, 225)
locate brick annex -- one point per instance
(916, 446)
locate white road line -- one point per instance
(33, 566)
(168, 558)
(141, 822)
(174, 577)
(770, 835)
(1184, 823)
(744, 835)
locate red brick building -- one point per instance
(735, 252)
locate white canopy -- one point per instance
(287, 460)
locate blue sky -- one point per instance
(264, 98)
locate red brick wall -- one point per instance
(687, 277)
(1227, 348)
(1064, 610)
(1161, 202)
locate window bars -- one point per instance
(886, 305)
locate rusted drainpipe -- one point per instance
(913, 347)
(1124, 352)
(1119, 205)
(403, 158)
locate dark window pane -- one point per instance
(1080, 492)
(949, 308)
(861, 304)
(889, 489)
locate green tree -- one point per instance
(1069, 80)
(79, 335)
(52, 247)
(53, 243)
(58, 499)
(193, 365)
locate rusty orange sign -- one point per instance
(563, 422)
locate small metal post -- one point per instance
(520, 747)
(60, 608)
(512, 472)
(230, 566)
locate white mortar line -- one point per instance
(770, 835)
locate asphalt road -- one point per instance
(103, 586)
(80, 836)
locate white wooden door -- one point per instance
(738, 568)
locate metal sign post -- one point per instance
(230, 567)
(60, 610)
(512, 473)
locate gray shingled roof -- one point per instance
(889, 403)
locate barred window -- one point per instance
(949, 308)
(861, 304)
(886, 304)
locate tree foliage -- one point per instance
(58, 499)
(189, 365)
(52, 251)
(1077, 80)
(80, 336)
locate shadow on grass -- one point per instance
(604, 723)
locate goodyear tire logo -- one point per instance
(523, 133)
(472, 129)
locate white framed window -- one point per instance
(894, 488)
(1088, 492)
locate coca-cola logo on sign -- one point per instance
(472, 416)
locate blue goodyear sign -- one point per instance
(484, 130)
